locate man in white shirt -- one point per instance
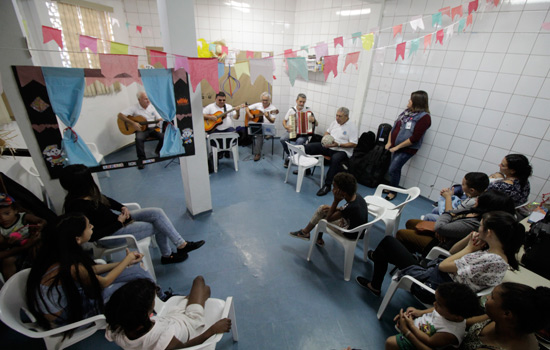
(345, 140)
(145, 109)
(226, 124)
(300, 107)
(267, 110)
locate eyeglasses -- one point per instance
(265, 100)
(340, 115)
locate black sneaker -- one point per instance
(190, 246)
(173, 259)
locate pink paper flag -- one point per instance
(158, 57)
(27, 74)
(352, 58)
(331, 65)
(123, 67)
(321, 50)
(49, 34)
(179, 74)
(338, 41)
(439, 36)
(397, 29)
(469, 20)
(400, 50)
(446, 11)
(546, 26)
(204, 68)
(472, 6)
(290, 53)
(181, 62)
(496, 2)
(88, 42)
(225, 50)
(456, 11)
(138, 29)
(249, 54)
(427, 41)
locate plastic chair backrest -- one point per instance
(379, 214)
(219, 140)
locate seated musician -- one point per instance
(145, 109)
(265, 110)
(295, 140)
(345, 140)
(225, 123)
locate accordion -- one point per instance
(300, 125)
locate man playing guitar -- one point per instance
(146, 109)
(227, 122)
(261, 112)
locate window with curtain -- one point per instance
(75, 20)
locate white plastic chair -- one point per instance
(98, 156)
(12, 302)
(406, 283)
(393, 215)
(214, 310)
(303, 161)
(221, 146)
(348, 244)
(25, 173)
(142, 246)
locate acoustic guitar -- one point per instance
(128, 129)
(209, 125)
(257, 116)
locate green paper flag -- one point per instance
(461, 25)
(355, 36)
(297, 66)
(305, 47)
(414, 46)
(119, 49)
(436, 19)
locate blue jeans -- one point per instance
(398, 159)
(299, 141)
(128, 274)
(148, 222)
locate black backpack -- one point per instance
(370, 168)
(537, 246)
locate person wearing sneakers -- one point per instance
(354, 213)
(111, 218)
(267, 111)
(301, 140)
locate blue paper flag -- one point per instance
(297, 66)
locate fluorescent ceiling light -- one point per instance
(353, 12)
(240, 6)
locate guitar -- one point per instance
(257, 116)
(128, 129)
(209, 125)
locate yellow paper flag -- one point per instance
(118, 48)
(367, 40)
(242, 68)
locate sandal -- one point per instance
(299, 234)
(390, 196)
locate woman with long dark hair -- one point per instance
(516, 170)
(84, 196)
(479, 260)
(407, 135)
(65, 285)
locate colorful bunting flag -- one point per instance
(116, 65)
(297, 66)
(352, 58)
(379, 54)
(545, 26)
(338, 41)
(368, 41)
(263, 67)
(400, 50)
(305, 47)
(321, 50)
(115, 21)
(436, 19)
(472, 6)
(249, 54)
(331, 65)
(495, 2)
(158, 57)
(242, 68)
(355, 35)
(397, 29)
(181, 62)
(212, 47)
(27, 74)
(427, 41)
(416, 23)
(204, 68)
(178, 74)
(456, 11)
(138, 29)
(450, 31)
(221, 70)
(461, 25)
(446, 11)
(88, 42)
(49, 34)
(415, 43)
(289, 53)
(439, 36)
(469, 20)
(118, 48)
(127, 24)
(225, 49)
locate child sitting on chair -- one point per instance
(19, 232)
(130, 325)
(440, 326)
(460, 197)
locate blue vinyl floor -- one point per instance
(282, 301)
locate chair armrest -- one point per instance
(130, 240)
(97, 319)
(132, 206)
(435, 252)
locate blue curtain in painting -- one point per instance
(66, 91)
(160, 90)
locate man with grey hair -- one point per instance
(300, 140)
(143, 108)
(264, 112)
(344, 133)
